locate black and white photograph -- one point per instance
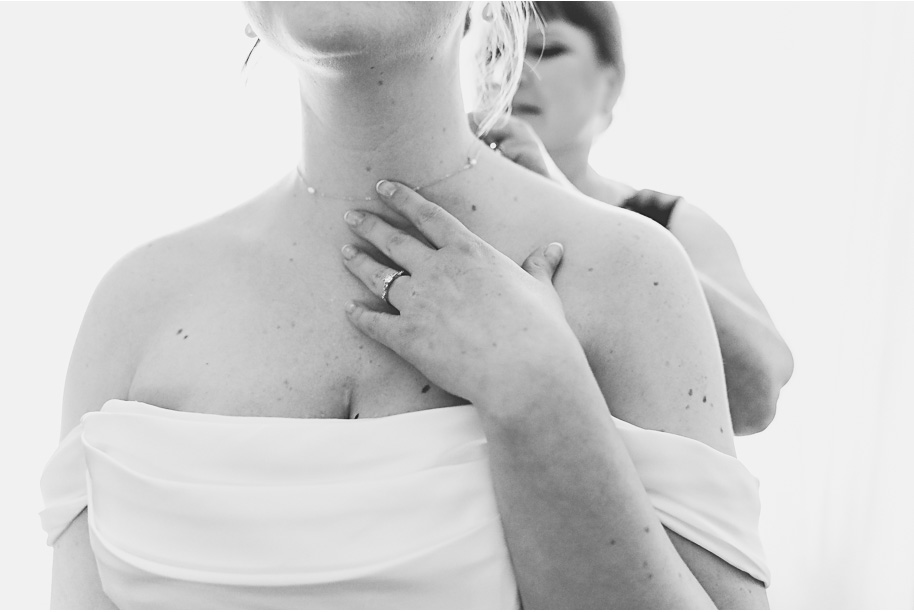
(457, 305)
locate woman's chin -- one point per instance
(346, 29)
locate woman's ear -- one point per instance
(611, 85)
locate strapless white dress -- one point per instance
(191, 510)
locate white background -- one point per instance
(791, 124)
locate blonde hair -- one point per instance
(500, 59)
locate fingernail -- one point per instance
(348, 251)
(350, 308)
(353, 217)
(554, 250)
(385, 188)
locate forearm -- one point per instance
(580, 528)
(757, 361)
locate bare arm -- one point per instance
(101, 368)
(757, 361)
(75, 583)
(582, 531)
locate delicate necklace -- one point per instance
(470, 163)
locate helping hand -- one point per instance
(471, 320)
(517, 141)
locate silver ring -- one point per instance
(388, 281)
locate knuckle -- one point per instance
(467, 248)
(428, 215)
(395, 239)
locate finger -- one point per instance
(379, 326)
(395, 243)
(436, 224)
(372, 274)
(542, 263)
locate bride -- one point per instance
(263, 411)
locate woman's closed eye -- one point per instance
(546, 52)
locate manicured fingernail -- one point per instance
(350, 307)
(353, 217)
(348, 251)
(385, 188)
(554, 250)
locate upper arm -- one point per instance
(659, 365)
(122, 311)
(101, 368)
(652, 343)
(100, 363)
(75, 582)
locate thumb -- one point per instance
(542, 263)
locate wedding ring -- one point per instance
(387, 282)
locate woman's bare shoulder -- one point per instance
(128, 305)
(151, 274)
(635, 302)
(590, 227)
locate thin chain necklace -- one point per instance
(470, 163)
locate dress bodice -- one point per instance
(192, 510)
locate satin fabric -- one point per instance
(191, 510)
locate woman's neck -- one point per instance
(401, 119)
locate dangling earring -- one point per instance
(487, 13)
(250, 33)
(250, 53)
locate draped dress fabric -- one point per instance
(191, 510)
